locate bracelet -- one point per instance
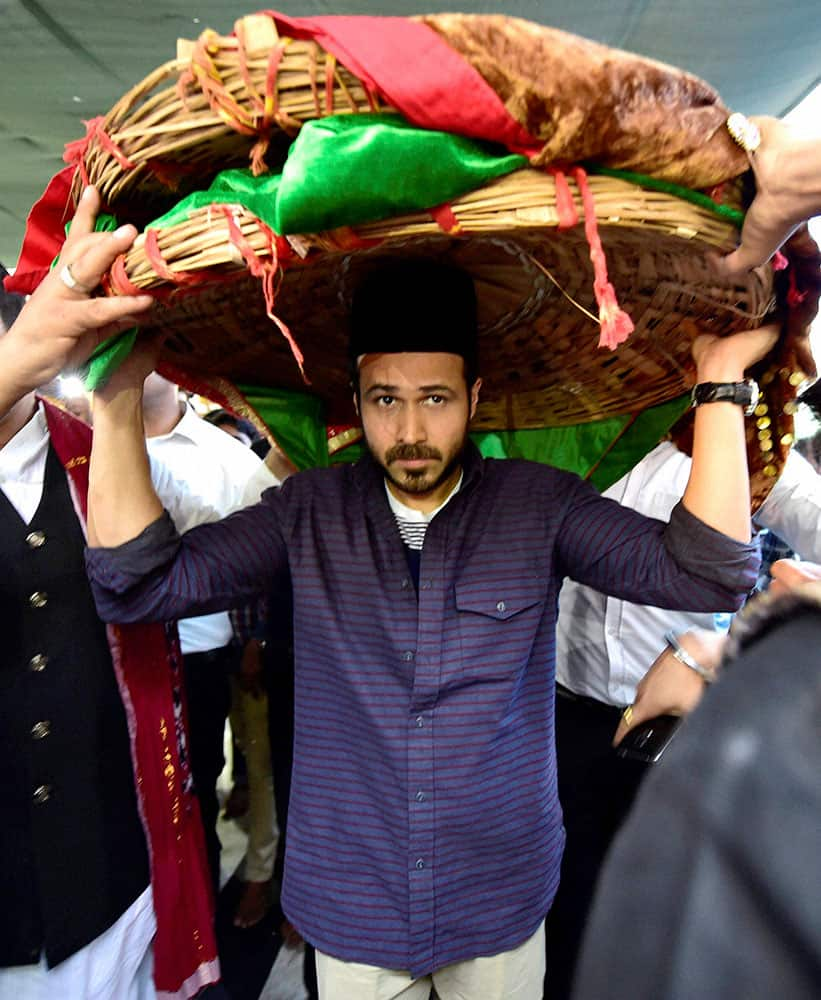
(681, 654)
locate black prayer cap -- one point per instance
(413, 305)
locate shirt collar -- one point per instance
(185, 427)
(411, 513)
(20, 457)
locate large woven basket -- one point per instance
(238, 100)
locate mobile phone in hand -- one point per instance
(648, 740)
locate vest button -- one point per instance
(35, 539)
(42, 793)
(38, 662)
(39, 599)
(40, 730)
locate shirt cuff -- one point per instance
(122, 566)
(710, 554)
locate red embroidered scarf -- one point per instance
(148, 663)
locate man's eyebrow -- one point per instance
(392, 390)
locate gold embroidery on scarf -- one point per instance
(170, 773)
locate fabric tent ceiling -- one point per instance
(71, 60)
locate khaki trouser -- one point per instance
(249, 724)
(511, 975)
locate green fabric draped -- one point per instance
(602, 451)
(229, 187)
(726, 212)
(296, 420)
(348, 169)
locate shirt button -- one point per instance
(500, 606)
(408, 655)
(42, 793)
(35, 539)
(38, 662)
(420, 864)
(39, 599)
(420, 722)
(40, 730)
(426, 585)
(420, 796)
(405, 583)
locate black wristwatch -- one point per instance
(742, 393)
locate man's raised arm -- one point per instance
(121, 497)
(718, 490)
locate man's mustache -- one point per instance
(410, 453)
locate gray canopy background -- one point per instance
(63, 61)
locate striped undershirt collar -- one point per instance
(413, 523)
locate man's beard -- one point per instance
(418, 481)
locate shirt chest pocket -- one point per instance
(498, 622)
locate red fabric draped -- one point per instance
(417, 72)
(45, 233)
(147, 663)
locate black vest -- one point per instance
(72, 851)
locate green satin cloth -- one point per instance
(297, 421)
(726, 212)
(229, 187)
(349, 169)
(602, 451)
(107, 358)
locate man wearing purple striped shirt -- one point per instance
(425, 833)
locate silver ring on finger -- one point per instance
(68, 279)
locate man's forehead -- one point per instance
(412, 367)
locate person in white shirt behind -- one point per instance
(604, 648)
(223, 473)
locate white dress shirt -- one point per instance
(605, 645)
(217, 471)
